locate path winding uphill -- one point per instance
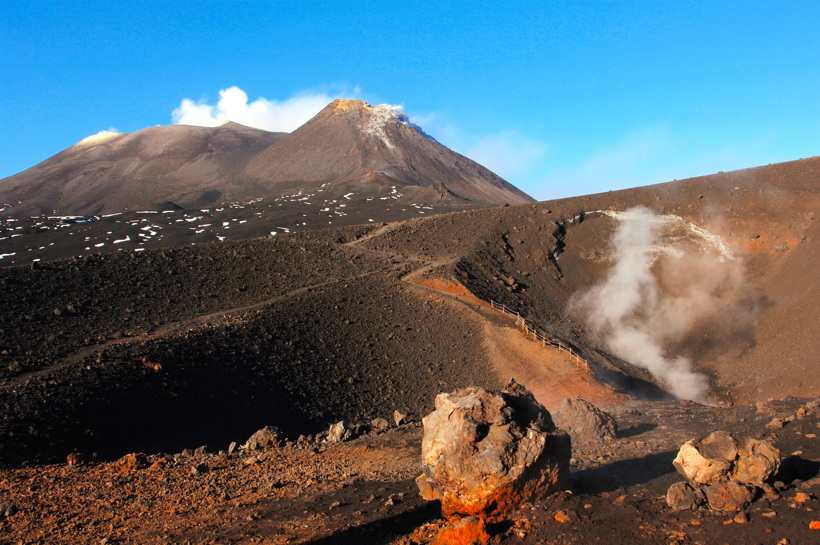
(552, 374)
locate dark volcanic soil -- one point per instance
(363, 491)
(173, 348)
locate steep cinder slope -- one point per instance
(367, 148)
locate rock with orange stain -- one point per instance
(75, 459)
(467, 531)
(561, 516)
(485, 452)
(729, 496)
(132, 462)
(814, 525)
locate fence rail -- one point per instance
(538, 335)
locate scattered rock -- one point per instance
(74, 459)
(379, 424)
(742, 517)
(158, 465)
(802, 497)
(232, 447)
(722, 457)
(8, 508)
(585, 423)
(399, 417)
(132, 462)
(269, 436)
(682, 496)
(770, 491)
(340, 431)
(776, 423)
(729, 496)
(485, 452)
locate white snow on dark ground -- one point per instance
(44, 238)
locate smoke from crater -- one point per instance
(657, 292)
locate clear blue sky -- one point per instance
(560, 98)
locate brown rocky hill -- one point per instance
(365, 148)
(112, 172)
(349, 147)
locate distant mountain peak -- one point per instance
(375, 118)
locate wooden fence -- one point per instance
(538, 335)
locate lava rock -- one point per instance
(8, 508)
(340, 431)
(399, 417)
(682, 496)
(585, 423)
(269, 436)
(132, 462)
(729, 496)
(721, 456)
(486, 452)
(469, 530)
(379, 424)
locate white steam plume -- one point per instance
(271, 115)
(634, 317)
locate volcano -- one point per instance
(353, 145)
(348, 146)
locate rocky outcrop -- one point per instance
(485, 452)
(722, 457)
(269, 436)
(724, 472)
(340, 432)
(585, 423)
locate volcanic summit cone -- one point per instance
(352, 143)
(348, 147)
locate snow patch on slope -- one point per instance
(384, 113)
(99, 138)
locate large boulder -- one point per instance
(585, 423)
(340, 431)
(269, 436)
(486, 452)
(723, 472)
(722, 457)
